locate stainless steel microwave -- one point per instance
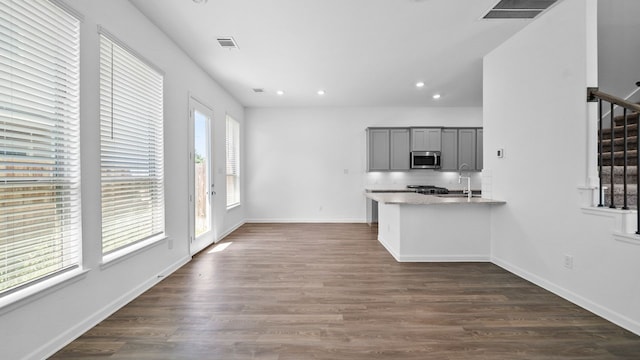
(425, 159)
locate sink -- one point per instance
(458, 195)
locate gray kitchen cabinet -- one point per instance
(400, 150)
(449, 152)
(479, 151)
(467, 148)
(378, 149)
(426, 139)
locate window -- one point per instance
(131, 147)
(233, 162)
(39, 143)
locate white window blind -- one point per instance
(131, 147)
(233, 161)
(39, 142)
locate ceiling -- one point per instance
(363, 53)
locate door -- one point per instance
(201, 186)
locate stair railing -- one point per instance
(593, 95)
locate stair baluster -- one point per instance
(624, 168)
(600, 136)
(613, 150)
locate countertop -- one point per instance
(409, 198)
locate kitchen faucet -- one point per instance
(460, 177)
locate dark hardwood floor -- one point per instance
(331, 291)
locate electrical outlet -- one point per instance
(170, 242)
(568, 261)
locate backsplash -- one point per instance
(399, 180)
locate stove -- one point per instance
(428, 189)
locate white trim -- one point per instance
(395, 255)
(627, 238)
(131, 250)
(444, 258)
(306, 221)
(38, 290)
(47, 350)
(233, 206)
(229, 231)
(570, 296)
(129, 49)
(69, 9)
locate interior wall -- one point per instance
(535, 109)
(309, 164)
(37, 327)
(619, 47)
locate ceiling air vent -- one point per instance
(518, 9)
(227, 42)
(258, 90)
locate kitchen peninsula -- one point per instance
(421, 228)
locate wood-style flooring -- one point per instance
(331, 291)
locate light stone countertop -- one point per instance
(407, 198)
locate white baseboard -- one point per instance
(60, 341)
(444, 258)
(230, 230)
(304, 221)
(597, 309)
(389, 249)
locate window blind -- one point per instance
(39, 142)
(233, 161)
(131, 147)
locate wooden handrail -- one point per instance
(594, 93)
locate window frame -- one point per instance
(60, 124)
(236, 168)
(156, 192)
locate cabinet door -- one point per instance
(467, 148)
(425, 139)
(479, 151)
(449, 159)
(400, 151)
(378, 149)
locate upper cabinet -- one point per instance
(479, 151)
(400, 152)
(426, 139)
(388, 149)
(378, 146)
(449, 154)
(467, 148)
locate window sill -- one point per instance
(233, 206)
(129, 251)
(38, 290)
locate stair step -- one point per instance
(632, 118)
(618, 143)
(632, 130)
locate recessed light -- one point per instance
(321, 92)
(280, 92)
(419, 84)
(436, 96)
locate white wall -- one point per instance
(308, 164)
(34, 329)
(619, 47)
(534, 108)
